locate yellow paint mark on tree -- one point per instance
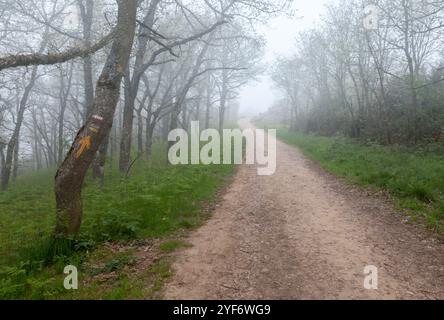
(119, 68)
(85, 144)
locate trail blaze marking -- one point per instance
(96, 123)
(85, 144)
(94, 128)
(98, 118)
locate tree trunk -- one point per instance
(174, 122)
(223, 104)
(113, 142)
(100, 161)
(89, 87)
(71, 174)
(411, 68)
(61, 133)
(2, 158)
(149, 137)
(16, 161)
(64, 93)
(87, 16)
(37, 154)
(127, 131)
(13, 142)
(197, 115)
(51, 156)
(139, 131)
(132, 89)
(224, 93)
(208, 108)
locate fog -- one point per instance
(280, 34)
(112, 121)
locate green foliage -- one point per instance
(160, 271)
(115, 225)
(153, 202)
(414, 176)
(18, 282)
(13, 281)
(117, 263)
(170, 246)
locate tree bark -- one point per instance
(133, 84)
(127, 131)
(2, 158)
(139, 131)
(100, 162)
(37, 154)
(16, 160)
(149, 137)
(64, 93)
(86, 13)
(35, 59)
(71, 174)
(223, 101)
(208, 105)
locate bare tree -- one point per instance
(70, 176)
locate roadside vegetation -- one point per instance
(346, 79)
(86, 98)
(129, 227)
(414, 176)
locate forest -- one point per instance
(375, 74)
(103, 195)
(372, 73)
(89, 91)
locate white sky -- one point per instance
(280, 34)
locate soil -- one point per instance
(305, 234)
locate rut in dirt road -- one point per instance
(303, 234)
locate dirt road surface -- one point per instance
(304, 234)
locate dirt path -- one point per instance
(303, 234)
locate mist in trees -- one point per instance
(381, 82)
(87, 83)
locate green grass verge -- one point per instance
(156, 201)
(414, 177)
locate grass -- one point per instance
(153, 203)
(414, 177)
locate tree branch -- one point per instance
(22, 60)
